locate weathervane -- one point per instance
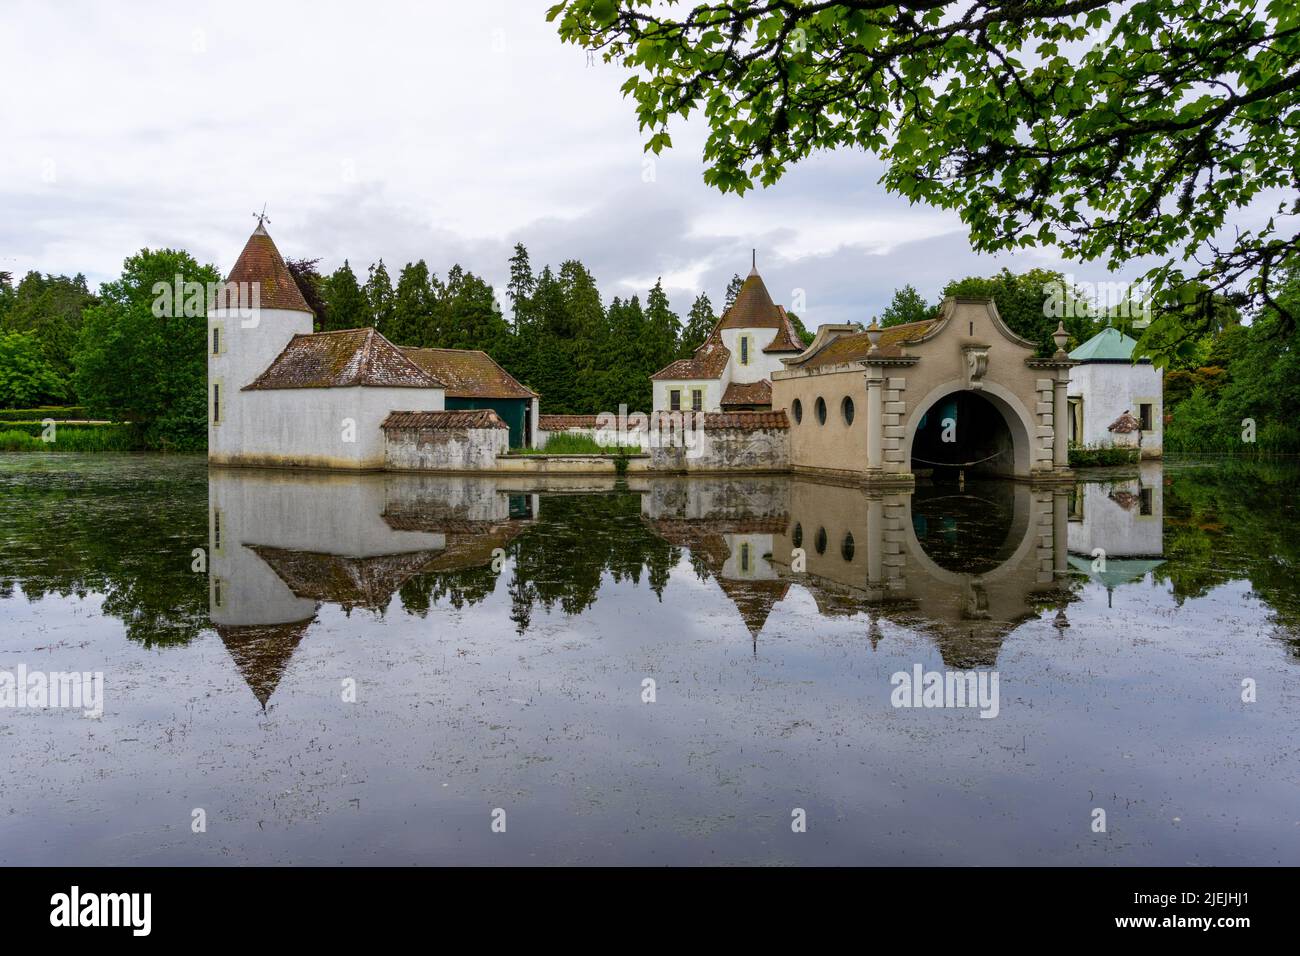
(261, 217)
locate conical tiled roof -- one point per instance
(261, 263)
(753, 307)
(261, 652)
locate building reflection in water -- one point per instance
(963, 567)
(281, 544)
(1116, 528)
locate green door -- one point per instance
(513, 411)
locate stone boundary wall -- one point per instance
(731, 442)
(444, 441)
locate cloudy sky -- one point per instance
(402, 130)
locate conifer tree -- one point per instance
(413, 307)
(379, 297)
(699, 323)
(662, 329)
(733, 290)
(346, 306)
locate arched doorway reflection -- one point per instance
(971, 531)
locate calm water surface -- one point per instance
(499, 634)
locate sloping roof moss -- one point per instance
(342, 359)
(468, 373)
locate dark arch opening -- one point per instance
(967, 532)
(962, 432)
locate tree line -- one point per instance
(61, 343)
(553, 332)
(106, 350)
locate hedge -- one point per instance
(57, 412)
(1101, 456)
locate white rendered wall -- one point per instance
(760, 569)
(1121, 532)
(245, 354)
(761, 364)
(309, 427)
(713, 389)
(327, 514)
(1108, 389)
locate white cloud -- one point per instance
(404, 131)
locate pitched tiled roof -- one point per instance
(753, 308)
(787, 336)
(709, 361)
(368, 582)
(444, 421)
(1124, 425)
(342, 360)
(745, 421)
(559, 423)
(260, 263)
(468, 373)
(854, 347)
(751, 393)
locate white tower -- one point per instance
(246, 334)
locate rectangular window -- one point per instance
(1076, 420)
(697, 399)
(1144, 501)
(744, 350)
(216, 529)
(675, 400)
(744, 557)
(216, 340)
(216, 403)
(1144, 416)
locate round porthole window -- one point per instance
(821, 411)
(846, 408)
(797, 409)
(846, 547)
(797, 537)
(820, 543)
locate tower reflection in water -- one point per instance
(963, 567)
(281, 544)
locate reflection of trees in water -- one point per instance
(965, 532)
(559, 559)
(125, 527)
(117, 525)
(1233, 520)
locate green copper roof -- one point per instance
(1108, 345)
(1118, 570)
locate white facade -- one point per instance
(308, 427)
(1099, 392)
(760, 366)
(239, 349)
(314, 427)
(322, 514)
(1125, 519)
(711, 389)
